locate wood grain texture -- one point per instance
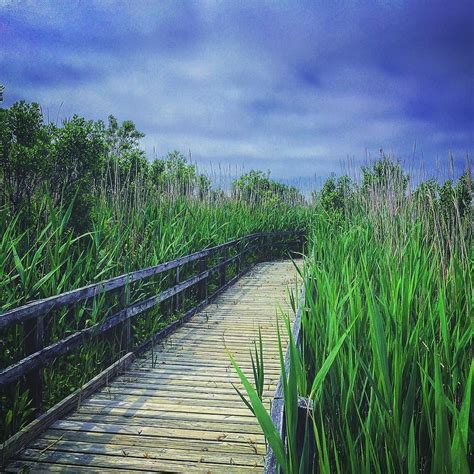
(174, 409)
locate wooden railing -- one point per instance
(278, 403)
(238, 255)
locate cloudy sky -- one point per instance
(295, 87)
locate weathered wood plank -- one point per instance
(150, 452)
(163, 414)
(152, 441)
(169, 408)
(250, 427)
(216, 404)
(185, 433)
(125, 463)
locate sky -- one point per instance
(301, 88)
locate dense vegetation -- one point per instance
(80, 203)
(386, 357)
(386, 353)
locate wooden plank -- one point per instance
(177, 364)
(99, 461)
(26, 466)
(152, 392)
(149, 452)
(216, 348)
(153, 441)
(192, 378)
(183, 359)
(175, 390)
(200, 384)
(155, 414)
(167, 408)
(250, 427)
(158, 431)
(216, 404)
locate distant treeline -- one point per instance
(386, 182)
(81, 160)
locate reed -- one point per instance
(46, 258)
(387, 342)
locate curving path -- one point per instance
(175, 409)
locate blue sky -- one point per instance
(300, 88)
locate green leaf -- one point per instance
(269, 430)
(459, 448)
(442, 454)
(412, 450)
(324, 369)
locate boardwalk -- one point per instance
(175, 409)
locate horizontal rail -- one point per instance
(60, 348)
(38, 307)
(66, 345)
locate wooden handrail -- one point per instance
(37, 307)
(277, 412)
(32, 314)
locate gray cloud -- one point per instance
(295, 88)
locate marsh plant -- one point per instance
(386, 354)
(80, 203)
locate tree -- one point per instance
(126, 162)
(336, 195)
(256, 187)
(77, 154)
(385, 176)
(25, 143)
(463, 193)
(173, 175)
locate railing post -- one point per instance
(251, 251)
(238, 246)
(202, 292)
(269, 247)
(126, 342)
(222, 270)
(260, 252)
(302, 242)
(176, 297)
(34, 341)
(256, 248)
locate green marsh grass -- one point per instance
(46, 259)
(387, 344)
